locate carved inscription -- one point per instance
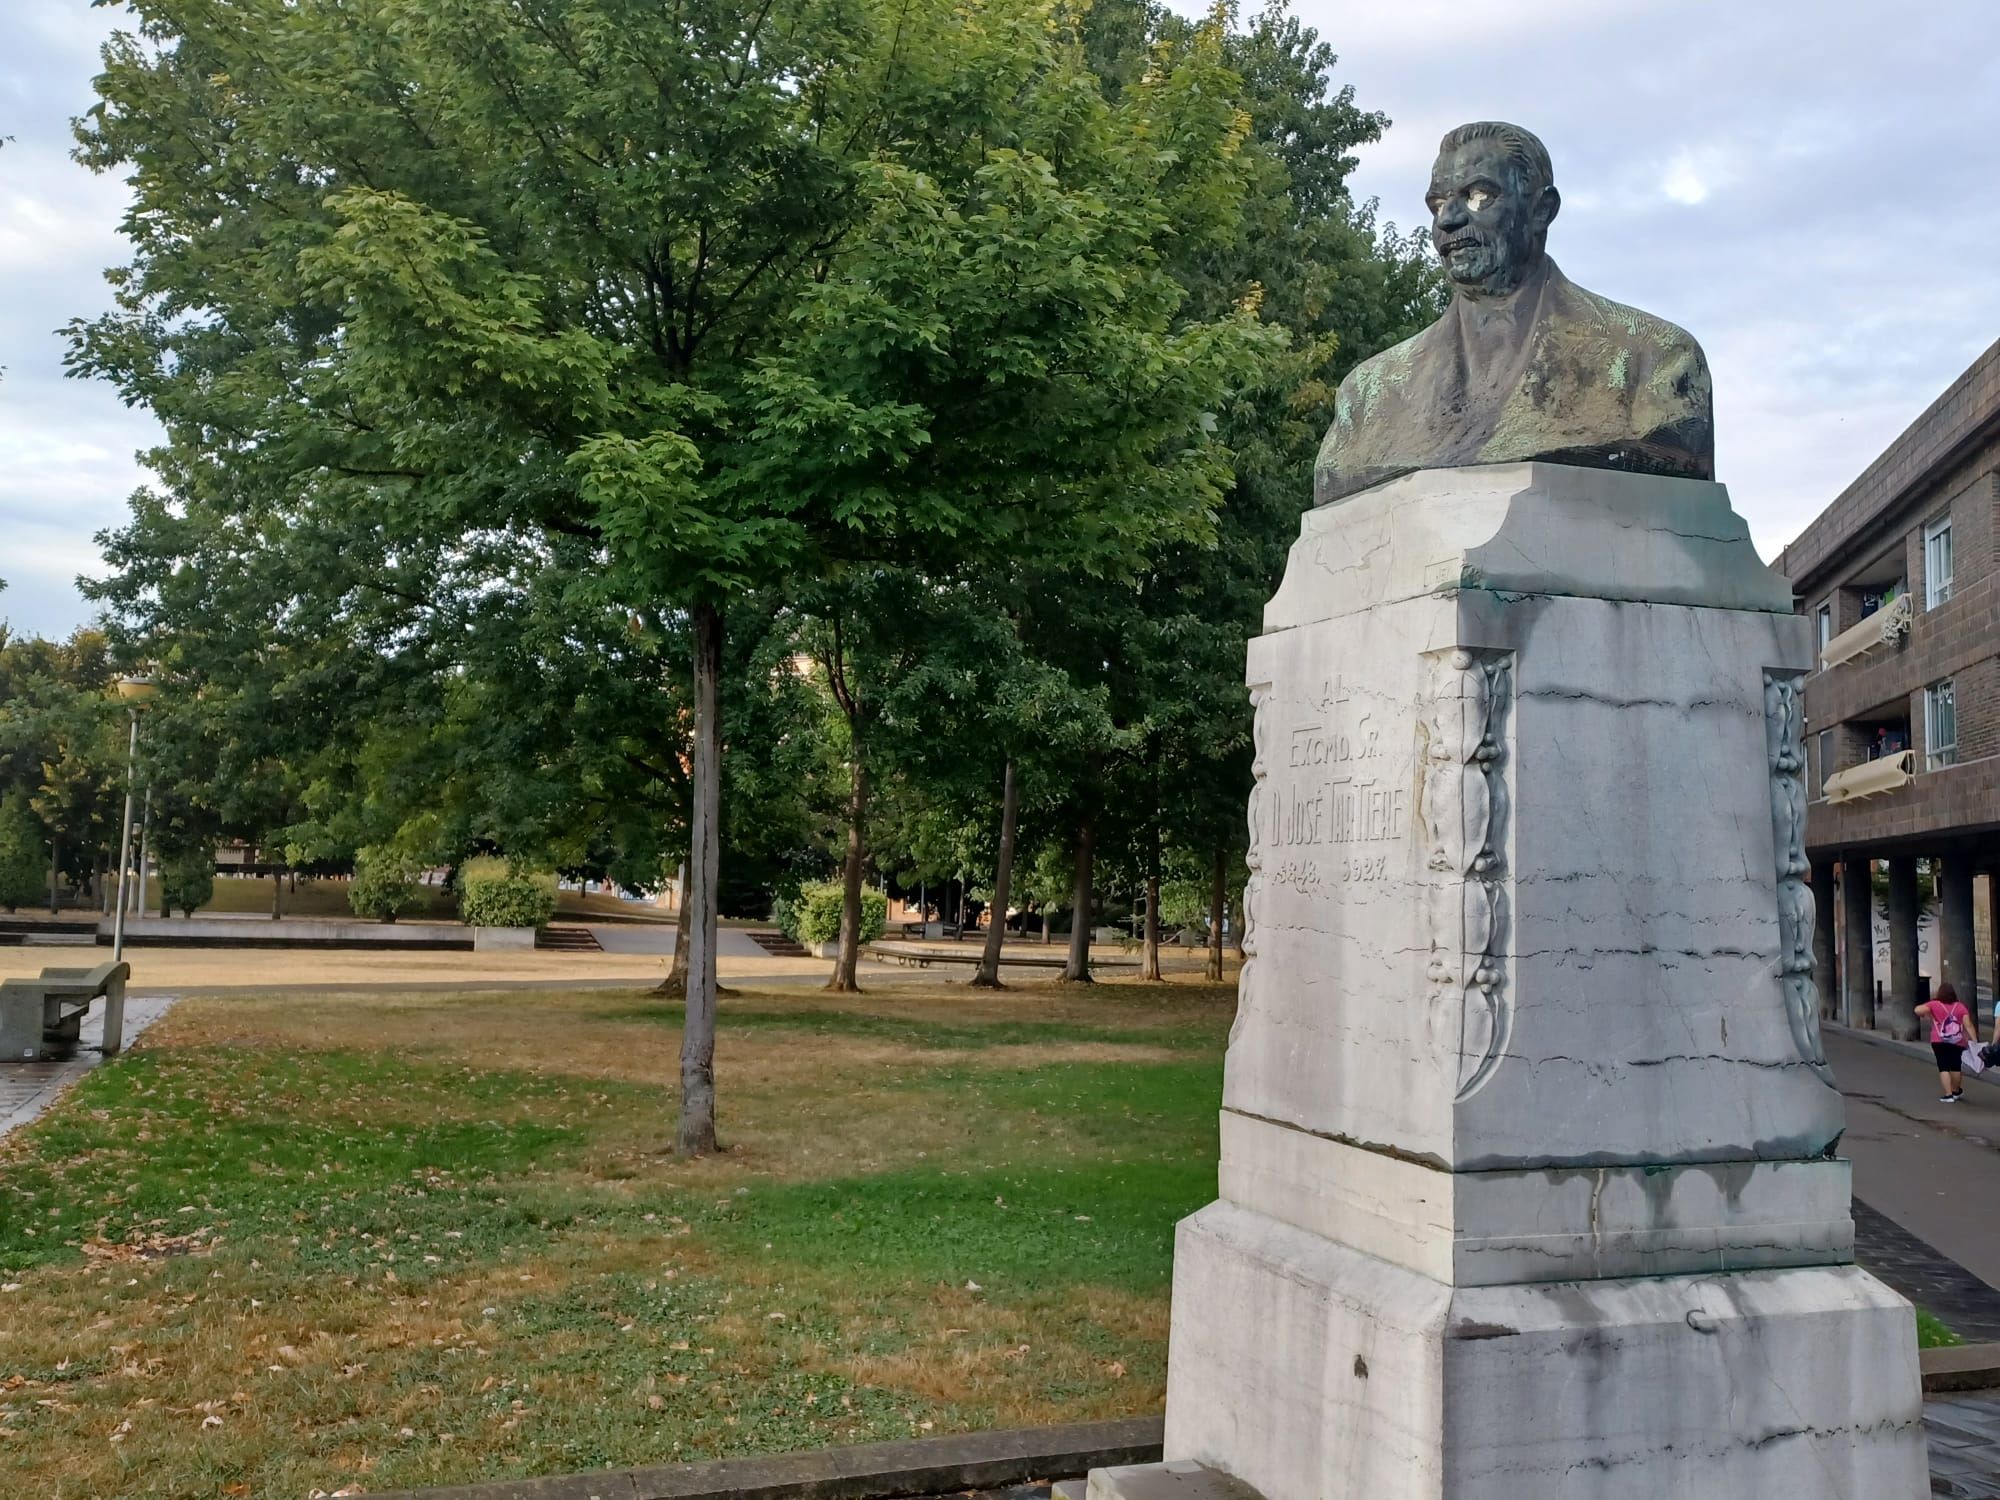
(1784, 739)
(1342, 789)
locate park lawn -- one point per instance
(372, 1242)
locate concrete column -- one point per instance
(1857, 941)
(1826, 976)
(1902, 1018)
(1955, 927)
(1993, 927)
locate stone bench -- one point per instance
(43, 1018)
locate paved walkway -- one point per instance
(1964, 1434)
(26, 1089)
(1932, 1168)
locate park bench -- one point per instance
(44, 1017)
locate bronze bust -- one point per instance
(1524, 363)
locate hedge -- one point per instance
(491, 893)
(813, 916)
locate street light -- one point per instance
(134, 691)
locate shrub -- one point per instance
(491, 893)
(24, 855)
(187, 880)
(384, 886)
(813, 916)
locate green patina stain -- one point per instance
(1619, 362)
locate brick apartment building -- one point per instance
(1901, 577)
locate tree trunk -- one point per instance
(1077, 970)
(138, 906)
(1218, 893)
(675, 985)
(55, 875)
(843, 980)
(277, 892)
(696, 1136)
(988, 974)
(1149, 957)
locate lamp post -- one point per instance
(134, 691)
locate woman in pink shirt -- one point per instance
(1952, 1030)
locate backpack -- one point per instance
(1949, 1030)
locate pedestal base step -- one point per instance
(1311, 1371)
(1181, 1479)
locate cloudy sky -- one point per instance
(1807, 185)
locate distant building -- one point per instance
(1901, 579)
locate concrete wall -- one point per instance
(291, 932)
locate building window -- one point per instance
(1940, 725)
(1825, 749)
(1823, 623)
(1937, 561)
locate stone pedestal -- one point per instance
(1528, 1185)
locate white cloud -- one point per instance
(57, 217)
(66, 446)
(1683, 181)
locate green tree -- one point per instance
(187, 879)
(23, 852)
(62, 743)
(1169, 650)
(384, 885)
(501, 275)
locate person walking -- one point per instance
(1953, 1029)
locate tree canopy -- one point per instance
(915, 397)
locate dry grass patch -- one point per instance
(291, 1244)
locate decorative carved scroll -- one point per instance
(1260, 768)
(1467, 796)
(1784, 739)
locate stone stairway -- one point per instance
(21, 932)
(568, 940)
(778, 945)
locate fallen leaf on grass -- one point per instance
(149, 1246)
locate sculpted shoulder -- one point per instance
(1674, 363)
(1378, 381)
(1376, 378)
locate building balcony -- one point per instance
(1872, 777)
(1888, 626)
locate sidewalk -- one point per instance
(28, 1088)
(1932, 1168)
